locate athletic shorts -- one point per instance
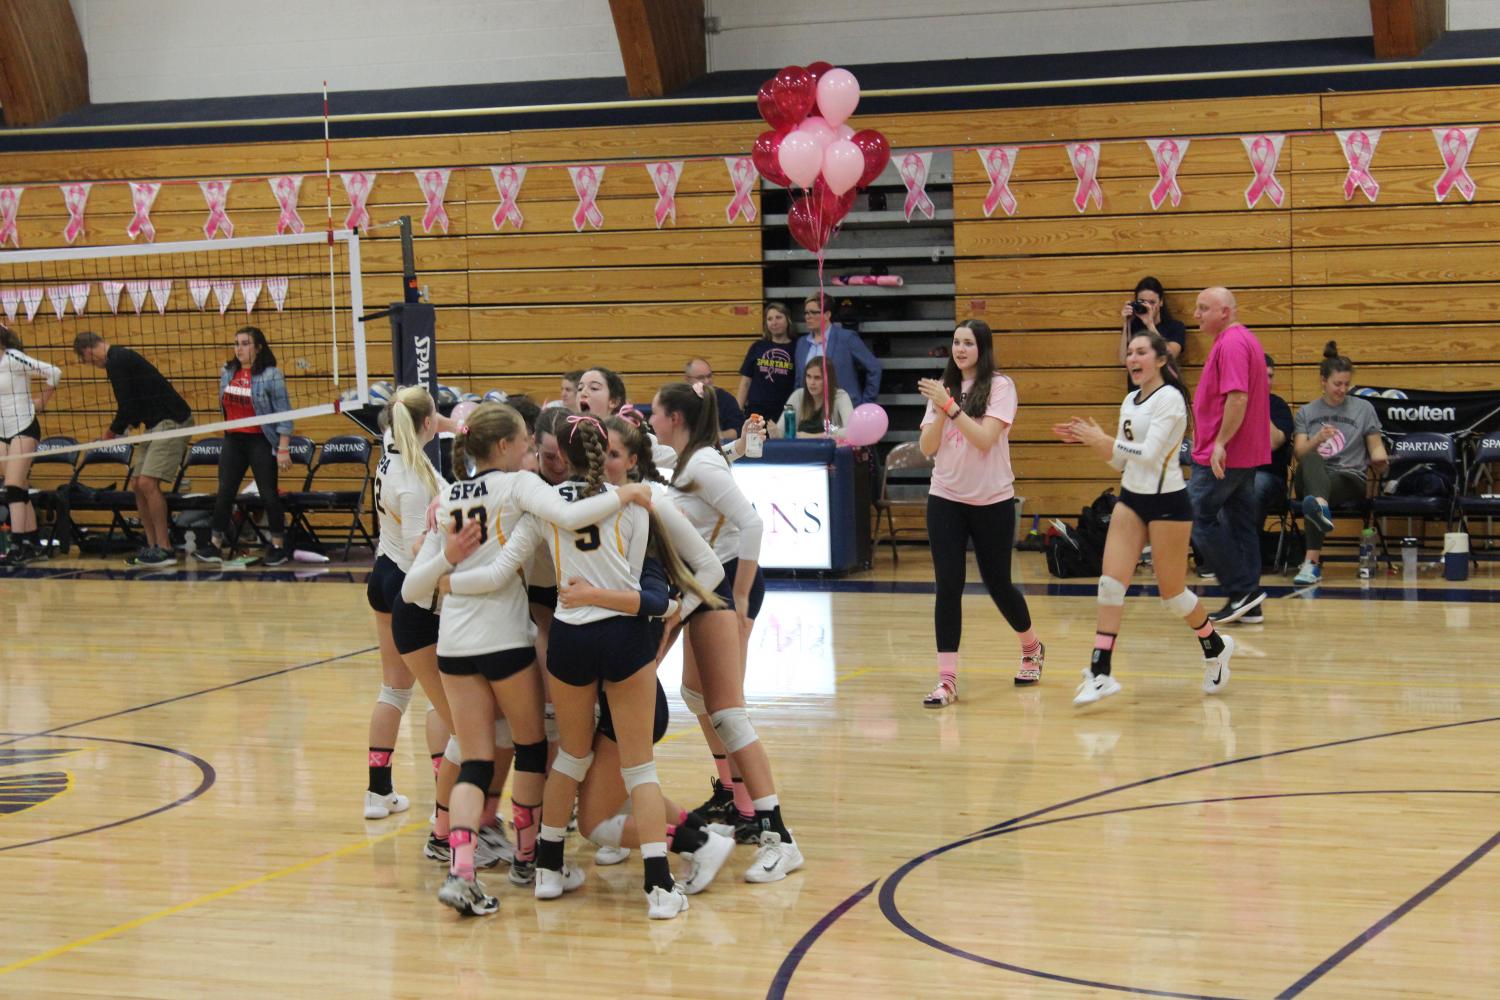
(611, 649)
(383, 588)
(1149, 507)
(606, 724)
(31, 430)
(160, 460)
(412, 627)
(543, 596)
(496, 666)
(725, 590)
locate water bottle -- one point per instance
(755, 439)
(788, 422)
(1409, 558)
(1367, 554)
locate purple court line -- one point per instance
(205, 770)
(184, 697)
(794, 957)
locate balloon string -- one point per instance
(827, 335)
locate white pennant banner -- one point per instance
(161, 290)
(277, 289)
(112, 291)
(223, 295)
(58, 296)
(250, 291)
(198, 288)
(137, 292)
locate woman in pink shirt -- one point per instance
(966, 431)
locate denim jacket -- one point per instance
(268, 395)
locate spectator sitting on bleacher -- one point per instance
(1270, 479)
(1337, 440)
(700, 372)
(807, 403)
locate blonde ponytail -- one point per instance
(409, 410)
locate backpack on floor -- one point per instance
(1079, 552)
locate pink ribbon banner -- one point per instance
(75, 197)
(250, 291)
(664, 177)
(1264, 152)
(914, 169)
(1085, 159)
(78, 294)
(33, 299)
(1455, 145)
(743, 175)
(10, 298)
(137, 292)
(1168, 155)
(216, 193)
(277, 289)
(161, 291)
(586, 181)
(287, 189)
(199, 288)
(508, 182)
(112, 291)
(434, 184)
(223, 294)
(10, 204)
(58, 296)
(998, 162)
(357, 186)
(142, 196)
(1359, 149)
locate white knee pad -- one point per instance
(397, 698)
(503, 739)
(576, 768)
(1111, 592)
(640, 774)
(549, 723)
(451, 754)
(1181, 605)
(693, 700)
(734, 728)
(607, 834)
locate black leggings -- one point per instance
(241, 452)
(950, 526)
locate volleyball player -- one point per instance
(485, 651)
(686, 419)
(19, 433)
(1153, 508)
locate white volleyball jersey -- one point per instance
(401, 500)
(705, 491)
(1146, 442)
(16, 408)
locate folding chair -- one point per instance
(200, 453)
(912, 471)
(82, 496)
(301, 450)
(337, 455)
(1407, 451)
(1480, 497)
(55, 500)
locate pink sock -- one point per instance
(380, 758)
(1207, 629)
(462, 843)
(743, 803)
(1030, 644)
(948, 669)
(682, 816)
(437, 763)
(525, 817)
(1103, 640)
(491, 810)
(440, 825)
(721, 764)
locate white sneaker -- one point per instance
(1216, 668)
(551, 884)
(611, 855)
(1095, 687)
(664, 904)
(496, 845)
(705, 862)
(774, 860)
(381, 806)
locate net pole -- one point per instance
(333, 302)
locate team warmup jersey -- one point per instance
(1146, 443)
(493, 618)
(705, 491)
(401, 499)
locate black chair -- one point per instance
(1408, 452)
(55, 501)
(200, 453)
(1480, 497)
(111, 499)
(301, 450)
(338, 455)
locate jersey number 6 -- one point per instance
(1129, 434)
(475, 513)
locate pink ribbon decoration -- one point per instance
(277, 287)
(1359, 149)
(743, 174)
(1168, 154)
(223, 294)
(161, 290)
(33, 299)
(250, 291)
(664, 176)
(112, 294)
(1455, 144)
(142, 196)
(914, 168)
(10, 298)
(287, 189)
(137, 292)
(434, 184)
(998, 162)
(1264, 151)
(58, 296)
(78, 294)
(578, 419)
(216, 193)
(198, 288)
(1085, 159)
(10, 204)
(586, 181)
(508, 182)
(357, 186)
(75, 197)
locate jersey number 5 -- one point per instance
(475, 513)
(588, 539)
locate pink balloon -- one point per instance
(845, 131)
(842, 165)
(822, 133)
(867, 425)
(838, 95)
(800, 157)
(462, 410)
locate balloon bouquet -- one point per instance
(830, 162)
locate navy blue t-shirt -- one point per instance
(771, 369)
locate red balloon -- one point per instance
(877, 152)
(795, 92)
(806, 225)
(831, 207)
(765, 99)
(763, 153)
(817, 69)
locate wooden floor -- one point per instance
(184, 759)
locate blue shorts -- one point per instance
(496, 666)
(611, 649)
(412, 628)
(658, 727)
(725, 590)
(383, 588)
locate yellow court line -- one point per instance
(852, 674)
(151, 918)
